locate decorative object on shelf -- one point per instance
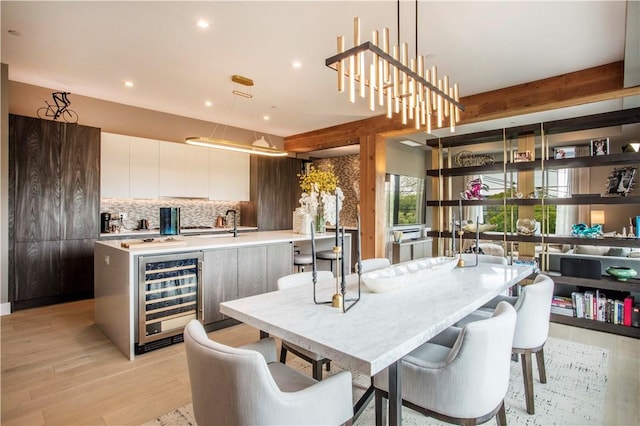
(631, 147)
(321, 197)
(599, 146)
(621, 181)
(597, 218)
(563, 152)
(522, 156)
(413, 91)
(60, 109)
(470, 226)
(621, 273)
(526, 226)
(474, 190)
(581, 230)
(469, 159)
(259, 146)
(397, 236)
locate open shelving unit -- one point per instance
(447, 179)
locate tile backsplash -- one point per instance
(192, 212)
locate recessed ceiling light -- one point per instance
(128, 84)
(410, 143)
(296, 64)
(266, 117)
(202, 23)
(208, 103)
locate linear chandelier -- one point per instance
(258, 147)
(407, 87)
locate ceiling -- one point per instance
(90, 48)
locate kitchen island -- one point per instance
(172, 280)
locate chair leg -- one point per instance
(501, 416)
(283, 355)
(541, 369)
(381, 408)
(317, 370)
(527, 373)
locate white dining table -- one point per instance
(382, 327)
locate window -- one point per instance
(405, 198)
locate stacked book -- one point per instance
(562, 306)
(594, 305)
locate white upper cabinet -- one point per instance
(143, 167)
(133, 167)
(114, 166)
(228, 175)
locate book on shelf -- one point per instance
(595, 306)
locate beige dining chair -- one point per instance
(316, 360)
(533, 306)
(373, 264)
(470, 258)
(246, 386)
(461, 376)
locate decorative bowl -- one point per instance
(470, 226)
(621, 273)
(402, 274)
(526, 226)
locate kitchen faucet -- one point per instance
(235, 224)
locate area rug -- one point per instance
(574, 394)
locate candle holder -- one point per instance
(337, 301)
(461, 263)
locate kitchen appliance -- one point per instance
(169, 220)
(220, 222)
(105, 223)
(168, 298)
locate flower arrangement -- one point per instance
(319, 190)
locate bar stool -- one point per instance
(302, 260)
(328, 255)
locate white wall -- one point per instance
(406, 160)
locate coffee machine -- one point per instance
(105, 223)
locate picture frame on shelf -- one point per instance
(599, 146)
(562, 152)
(621, 181)
(522, 156)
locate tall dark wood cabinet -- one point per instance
(54, 196)
(274, 192)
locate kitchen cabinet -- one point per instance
(184, 171)
(54, 198)
(241, 272)
(219, 283)
(144, 168)
(114, 166)
(228, 175)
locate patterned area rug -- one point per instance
(574, 394)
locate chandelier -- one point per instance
(389, 78)
(258, 147)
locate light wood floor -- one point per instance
(58, 368)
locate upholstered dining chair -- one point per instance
(532, 328)
(470, 258)
(246, 386)
(461, 376)
(316, 360)
(369, 265)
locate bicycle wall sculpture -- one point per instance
(60, 108)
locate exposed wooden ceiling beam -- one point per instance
(591, 85)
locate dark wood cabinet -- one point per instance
(274, 193)
(54, 196)
(219, 282)
(252, 267)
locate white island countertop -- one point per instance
(183, 243)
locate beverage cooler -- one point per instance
(168, 298)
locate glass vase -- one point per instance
(321, 224)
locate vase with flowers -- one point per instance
(320, 193)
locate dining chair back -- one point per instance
(373, 264)
(245, 386)
(461, 377)
(316, 360)
(470, 258)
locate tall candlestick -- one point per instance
(314, 275)
(460, 204)
(337, 218)
(359, 259)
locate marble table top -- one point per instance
(382, 327)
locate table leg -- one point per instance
(395, 393)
